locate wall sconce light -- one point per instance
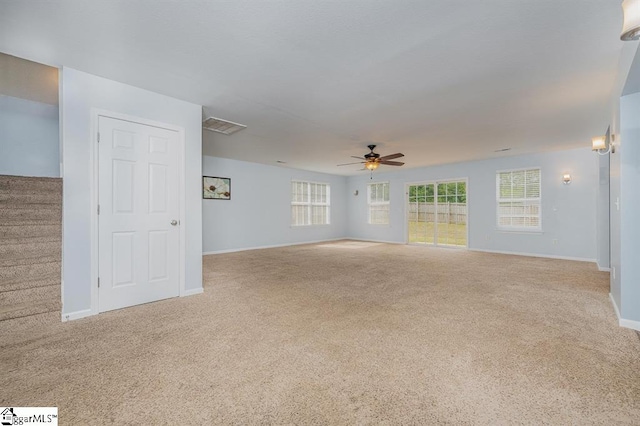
(631, 22)
(566, 178)
(355, 192)
(599, 145)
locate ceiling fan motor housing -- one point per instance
(372, 155)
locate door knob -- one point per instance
(174, 222)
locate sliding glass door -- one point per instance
(421, 214)
(437, 213)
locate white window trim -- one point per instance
(310, 204)
(378, 203)
(511, 229)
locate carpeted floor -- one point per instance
(344, 333)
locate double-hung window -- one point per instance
(310, 203)
(378, 203)
(518, 200)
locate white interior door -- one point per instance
(138, 214)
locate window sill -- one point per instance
(308, 226)
(380, 225)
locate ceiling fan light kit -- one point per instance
(371, 165)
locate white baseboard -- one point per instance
(546, 256)
(206, 253)
(601, 269)
(76, 315)
(71, 316)
(193, 292)
(369, 240)
(374, 241)
(615, 306)
(634, 325)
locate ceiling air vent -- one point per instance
(222, 126)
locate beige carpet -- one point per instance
(344, 334)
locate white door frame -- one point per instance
(406, 209)
(93, 152)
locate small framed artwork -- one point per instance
(216, 188)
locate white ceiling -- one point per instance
(316, 81)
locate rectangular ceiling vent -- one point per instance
(222, 126)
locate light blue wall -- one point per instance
(614, 225)
(259, 212)
(629, 160)
(627, 78)
(602, 211)
(568, 211)
(29, 138)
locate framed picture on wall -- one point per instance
(216, 188)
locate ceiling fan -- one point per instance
(372, 159)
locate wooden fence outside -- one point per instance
(447, 212)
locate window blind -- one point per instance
(518, 199)
(378, 203)
(310, 203)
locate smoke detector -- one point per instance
(222, 126)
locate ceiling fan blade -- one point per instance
(359, 158)
(348, 164)
(392, 163)
(391, 157)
